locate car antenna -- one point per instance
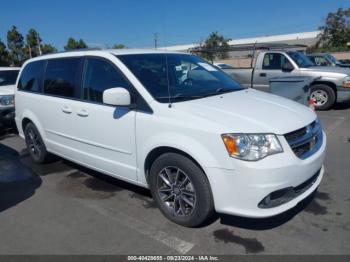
(164, 29)
(167, 79)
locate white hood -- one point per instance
(7, 90)
(251, 111)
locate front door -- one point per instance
(105, 134)
(271, 68)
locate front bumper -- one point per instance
(7, 117)
(241, 190)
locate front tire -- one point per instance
(35, 144)
(323, 95)
(181, 190)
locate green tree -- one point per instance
(33, 43)
(15, 44)
(215, 47)
(119, 46)
(335, 33)
(48, 49)
(4, 59)
(73, 44)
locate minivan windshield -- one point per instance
(300, 59)
(8, 77)
(184, 77)
(332, 59)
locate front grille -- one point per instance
(306, 141)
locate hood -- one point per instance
(7, 90)
(331, 69)
(250, 111)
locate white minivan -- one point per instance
(175, 124)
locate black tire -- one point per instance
(197, 183)
(35, 144)
(329, 98)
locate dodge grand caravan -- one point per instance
(175, 124)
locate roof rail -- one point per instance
(78, 50)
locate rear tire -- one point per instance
(35, 144)
(181, 190)
(323, 95)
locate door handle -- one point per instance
(83, 113)
(263, 74)
(67, 110)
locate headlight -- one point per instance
(251, 147)
(7, 100)
(346, 83)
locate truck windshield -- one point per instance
(8, 77)
(300, 59)
(184, 77)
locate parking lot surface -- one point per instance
(63, 208)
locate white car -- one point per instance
(175, 124)
(8, 77)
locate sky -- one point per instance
(134, 22)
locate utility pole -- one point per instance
(30, 50)
(155, 38)
(38, 43)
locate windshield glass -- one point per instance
(8, 77)
(185, 77)
(300, 59)
(332, 58)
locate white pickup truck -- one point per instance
(332, 84)
(8, 77)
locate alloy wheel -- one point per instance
(320, 97)
(34, 143)
(176, 191)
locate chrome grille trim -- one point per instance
(307, 140)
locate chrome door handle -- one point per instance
(67, 110)
(83, 113)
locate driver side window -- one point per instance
(274, 61)
(100, 75)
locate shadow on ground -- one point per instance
(342, 106)
(17, 182)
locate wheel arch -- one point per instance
(327, 83)
(158, 151)
(29, 117)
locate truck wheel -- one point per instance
(35, 144)
(323, 95)
(181, 190)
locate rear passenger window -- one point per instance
(61, 77)
(31, 77)
(100, 75)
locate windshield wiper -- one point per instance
(219, 91)
(180, 96)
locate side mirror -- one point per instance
(287, 67)
(118, 96)
(2, 80)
